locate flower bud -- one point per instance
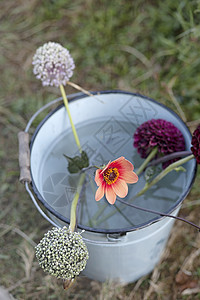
(62, 253)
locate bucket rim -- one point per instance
(75, 97)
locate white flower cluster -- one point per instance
(53, 64)
(62, 253)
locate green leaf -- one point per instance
(77, 163)
(150, 172)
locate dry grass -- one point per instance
(124, 54)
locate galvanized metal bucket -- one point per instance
(129, 243)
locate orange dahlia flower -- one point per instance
(112, 180)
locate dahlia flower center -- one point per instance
(110, 175)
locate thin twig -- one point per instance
(173, 98)
(5, 211)
(79, 88)
(19, 232)
(191, 203)
(139, 55)
(159, 213)
(171, 156)
(18, 283)
(190, 259)
(193, 123)
(191, 291)
(78, 203)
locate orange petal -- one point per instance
(99, 193)
(119, 160)
(120, 188)
(110, 194)
(122, 163)
(108, 164)
(98, 177)
(128, 177)
(126, 164)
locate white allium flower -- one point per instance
(62, 253)
(53, 64)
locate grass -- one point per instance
(150, 47)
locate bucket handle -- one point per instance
(110, 241)
(24, 163)
(70, 97)
(23, 140)
(37, 206)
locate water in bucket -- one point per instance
(103, 140)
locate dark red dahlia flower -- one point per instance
(161, 134)
(196, 144)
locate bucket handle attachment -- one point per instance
(23, 140)
(24, 157)
(24, 164)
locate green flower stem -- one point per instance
(97, 215)
(170, 168)
(147, 160)
(70, 117)
(112, 213)
(72, 224)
